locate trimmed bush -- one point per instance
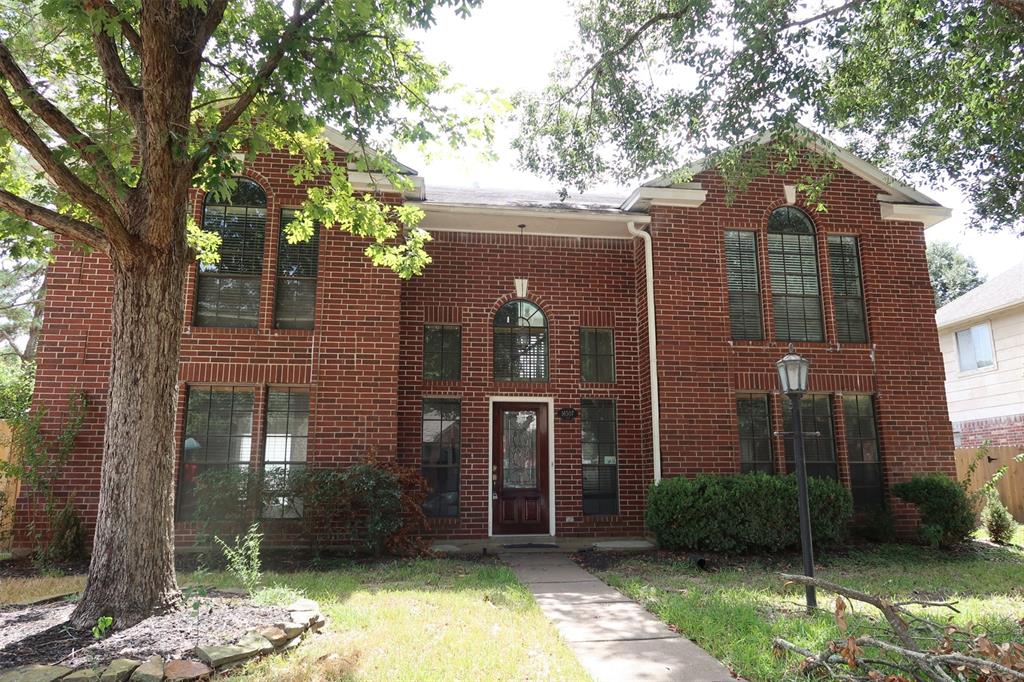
(1001, 526)
(746, 513)
(947, 515)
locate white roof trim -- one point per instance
(336, 139)
(687, 196)
(823, 145)
(553, 222)
(376, 182)
(915, 213)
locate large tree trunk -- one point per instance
(131, 575)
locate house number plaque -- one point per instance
(567, 413)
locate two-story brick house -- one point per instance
(554, 360)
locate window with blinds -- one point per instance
(755, 434)
(297, 264)
(284, 450)
(819, 450)
(228, 292)
(847, 289)
(863, 453)
(217, 440)
(600, 457)
(744, 285)
(793, 266)
(440, 455)
(520, 343)
(597, 355)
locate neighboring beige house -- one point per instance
(982, 339)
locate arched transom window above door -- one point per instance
(520, 342)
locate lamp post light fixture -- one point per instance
(793, 369)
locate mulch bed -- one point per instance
(40, 633)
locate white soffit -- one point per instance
(689, 195)
(915, 213)
(448, 217)
(377, 182)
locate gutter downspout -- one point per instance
(652, 346)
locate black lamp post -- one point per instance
(793, 377)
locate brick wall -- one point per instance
(362, 360)
(999, 431)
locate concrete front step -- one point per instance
(506, 545)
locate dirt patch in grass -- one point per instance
(40, 633)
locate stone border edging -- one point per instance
(304, 617)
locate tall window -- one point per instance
(862, 452)
(793, 264)
(847, 289)
(218, 437)
(974, 347)
(442, 352)
(441, 443)
(520, 343)
(820, 450)
(228, 292)
(284, 453)
(597, 355)
(744, 285)
(755, 434)
(296, 278)
(600, 458)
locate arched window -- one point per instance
(793, 264)
(228, 292)
(520, 343)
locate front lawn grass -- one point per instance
(427, 619)
(736, 611)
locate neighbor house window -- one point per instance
(228, 292)
(793, 264)
(600, 458)
(974, 347)
(520, 343)
(597, 355)
(442, 352)
(819, 450)
(847, 289)
(755, 434)
(744, 285)
(217, 442)
(296, 278)
(862, 452)
(285, 450)
(439, 456)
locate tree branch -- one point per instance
(66, 226)
(62, 125)
(128, 94)
(127, 30)
(270, 64)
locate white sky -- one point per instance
(513, 44)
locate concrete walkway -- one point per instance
(615, 638)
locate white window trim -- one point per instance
(992, 340)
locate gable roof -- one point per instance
(899, 191)
(1005, 290)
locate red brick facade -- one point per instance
(998, 431)
(362, 362)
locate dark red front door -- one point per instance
(519, 470)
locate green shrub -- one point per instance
(67, 536)
(876, 525)
(243, 557)
(747, 513)
(947, 514)
(1001, 526)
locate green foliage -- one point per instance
(746, 513)
(17, 380)
(876, 526)
(998, 521)
(375, 496)
(243, 557)
(952, 273)
(948, 516)
(928, 88)
(103, 623)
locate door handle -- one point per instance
(494, 496)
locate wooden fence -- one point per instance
(8, 490)
(1011, 487)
